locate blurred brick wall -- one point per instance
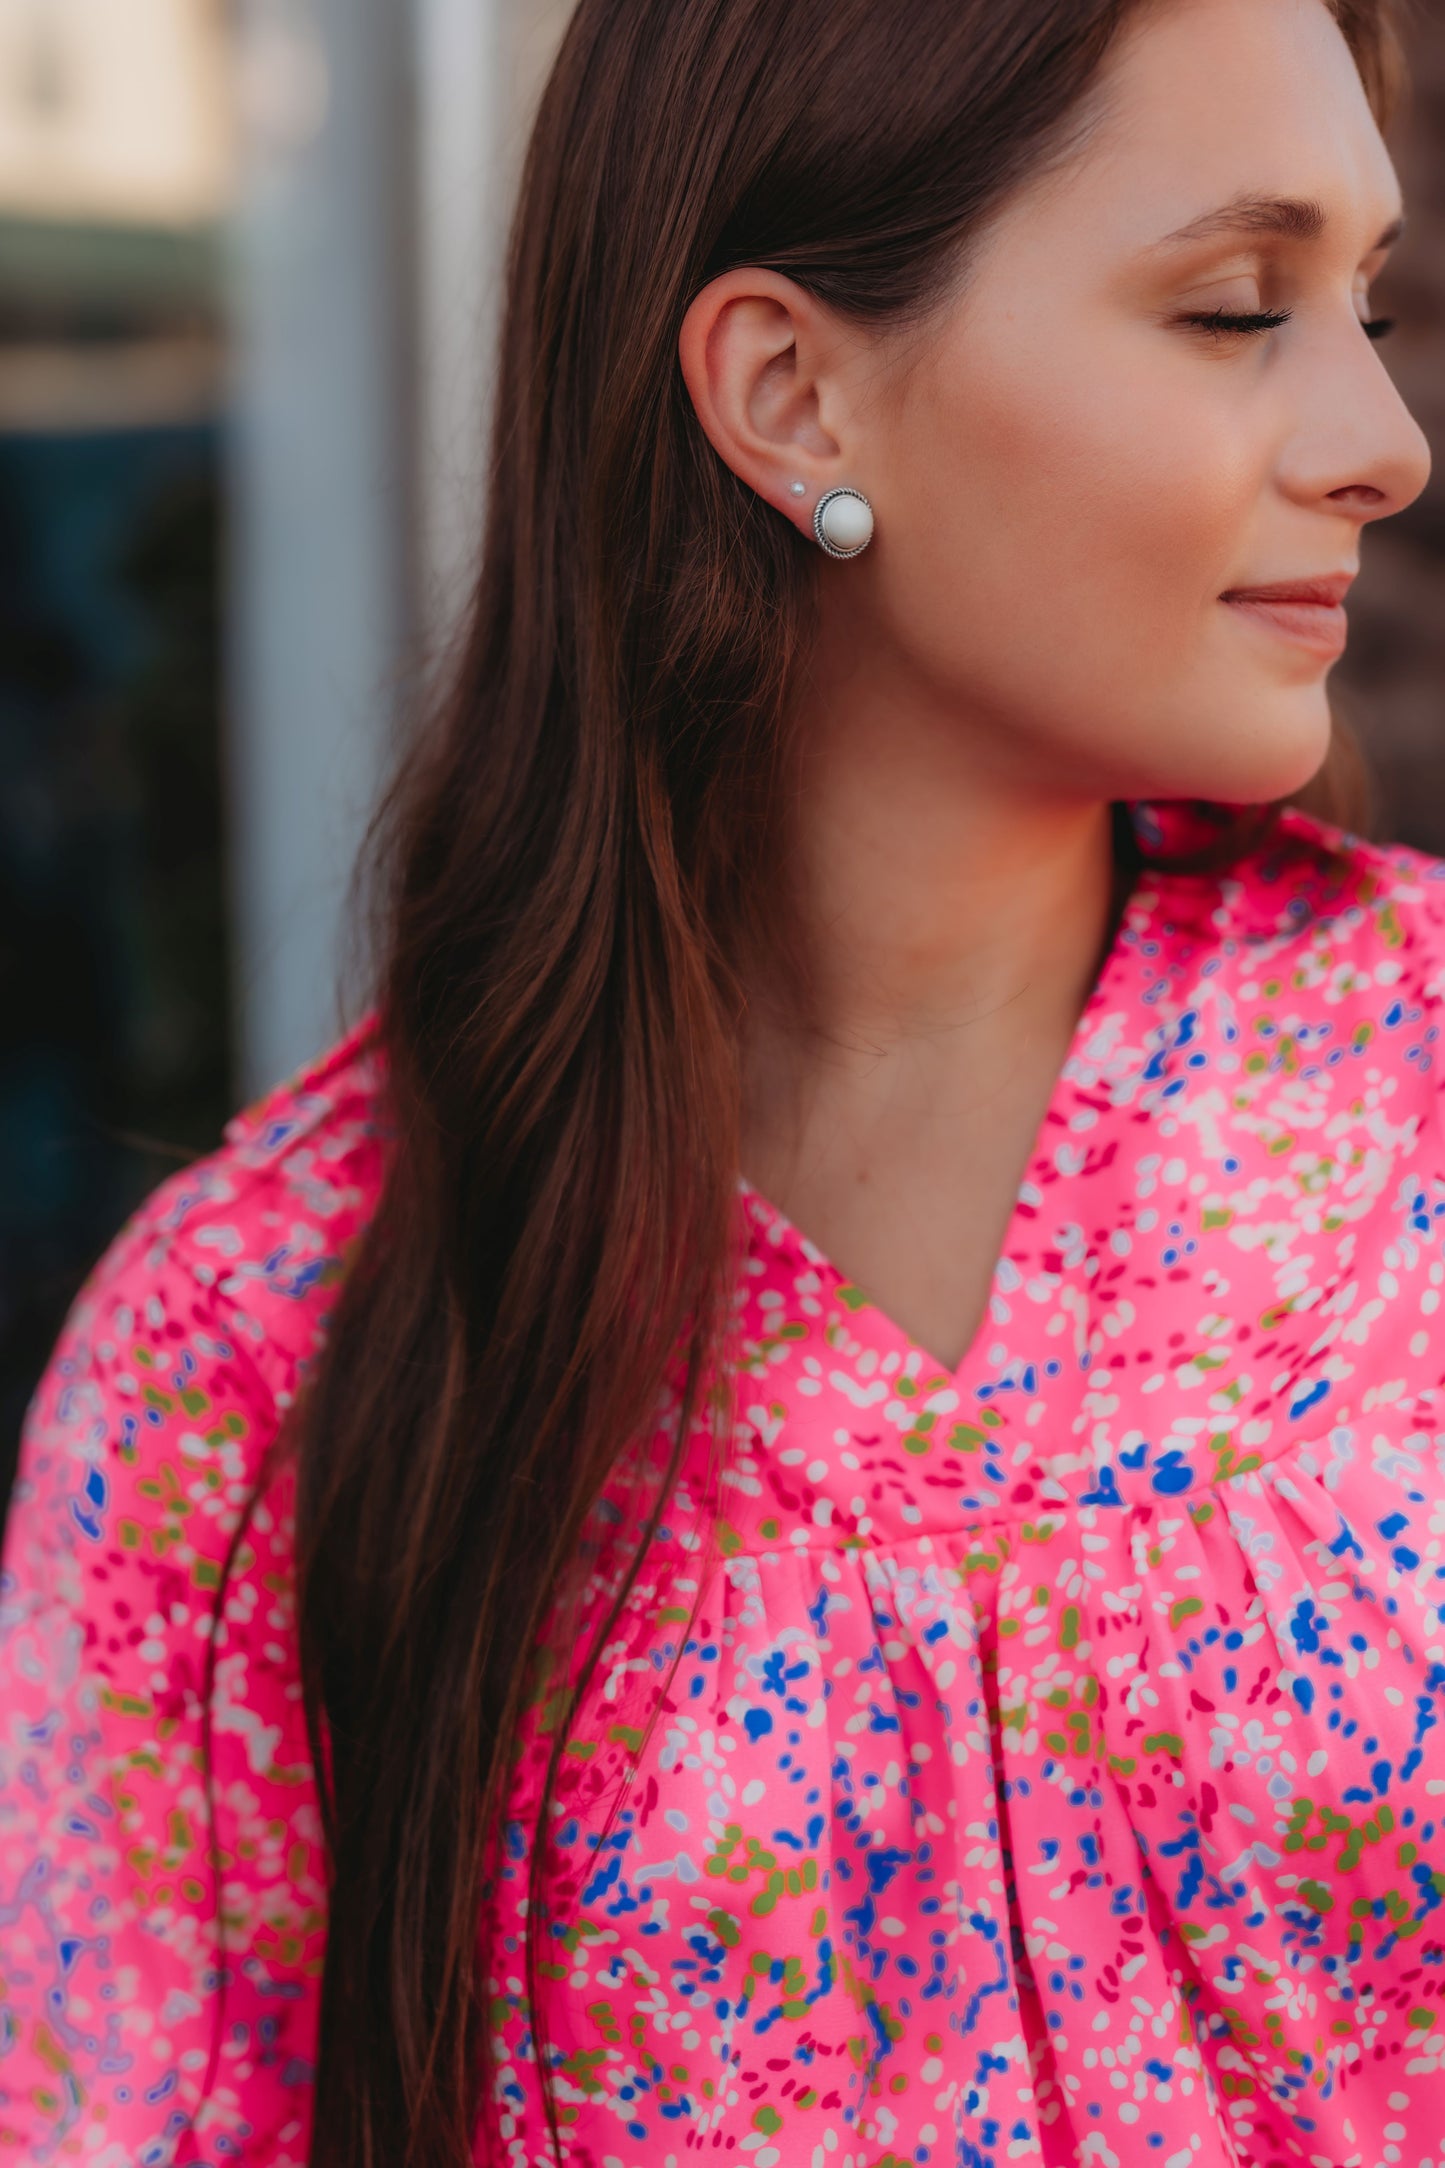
(1393, 677)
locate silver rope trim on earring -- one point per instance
(849, 529)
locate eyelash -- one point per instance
(1224, 323)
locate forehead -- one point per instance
(1202, 101)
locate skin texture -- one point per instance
(1067, 475)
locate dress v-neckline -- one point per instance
(1132, 925)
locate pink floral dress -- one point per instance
(1051, 1770)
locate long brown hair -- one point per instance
(568, 871)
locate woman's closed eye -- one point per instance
(1246, 323)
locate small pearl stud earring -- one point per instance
(843, 522)
(797, 489)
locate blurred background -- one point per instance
(249, 253)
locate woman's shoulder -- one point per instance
(204, 1311)
(169, 1380)
(141, 1448)
(257, 1234)
(1319, 907)
(1311, 869)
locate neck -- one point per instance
(953, 923)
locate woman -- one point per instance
(509, 1652)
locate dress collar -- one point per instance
(1167, 826)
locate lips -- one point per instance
(1308, 612)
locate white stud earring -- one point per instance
(843, 522)
(797, 489)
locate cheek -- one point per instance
(1086, 512)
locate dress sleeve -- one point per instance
(151, 2010)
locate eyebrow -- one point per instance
(1291, 218)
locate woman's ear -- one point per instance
(763, 364)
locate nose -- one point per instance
(1357, 449)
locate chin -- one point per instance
(1272, 745)
(1295, 736)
